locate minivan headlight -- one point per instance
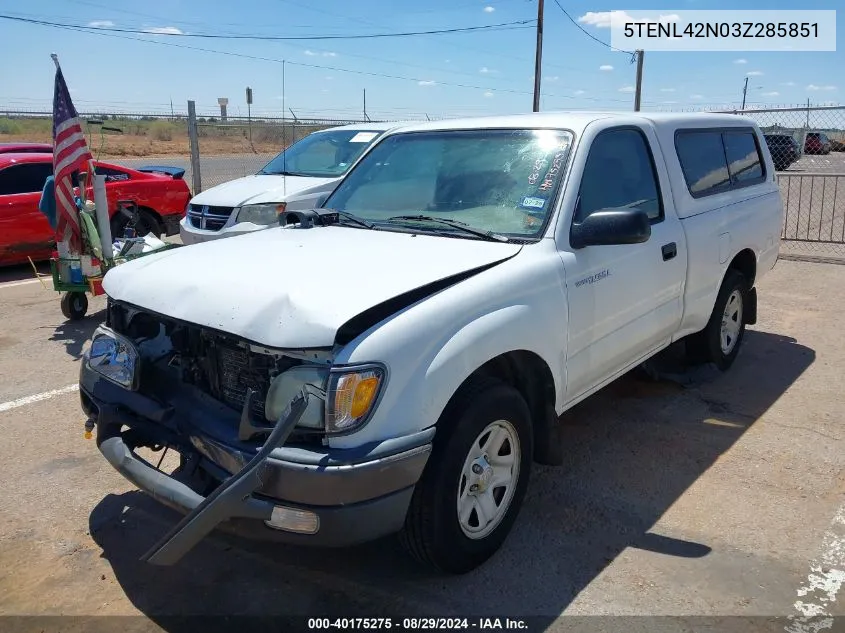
(351, 396)
(114, 357)
(264, 214)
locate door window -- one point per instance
(619, 174)
(24, 178)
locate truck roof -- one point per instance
(577, 121)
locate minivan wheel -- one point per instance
(720, 341)
(469, 496)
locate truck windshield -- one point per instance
(322, 154)
(499, 181)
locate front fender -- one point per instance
(431, 347)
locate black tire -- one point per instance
(432, 533)
(706, 346)
(147, 223)
(74, 305)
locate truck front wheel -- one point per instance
(475, 480)
(719, 342)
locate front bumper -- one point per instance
(356, 495)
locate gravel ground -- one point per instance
(719, 497)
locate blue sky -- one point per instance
(495, 69)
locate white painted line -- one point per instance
(826, 578)
(12, 284)
(38, 397)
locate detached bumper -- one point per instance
(350, 497)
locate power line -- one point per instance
(316, 66)
(588, 34)
(109, 29)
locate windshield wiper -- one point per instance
(351, 218)
(456, 224)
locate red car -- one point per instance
(817, 143)
(7, 148)
(160, 193)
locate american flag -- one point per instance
(70, 153)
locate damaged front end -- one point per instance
(251, 426)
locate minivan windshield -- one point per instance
(502, 182)
(326, 154)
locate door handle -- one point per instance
(669, 251)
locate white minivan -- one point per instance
(298, 177)
(396, 360)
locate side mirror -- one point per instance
(606, 228)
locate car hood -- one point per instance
(258, 188)
(292, 287)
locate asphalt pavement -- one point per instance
(700, 495)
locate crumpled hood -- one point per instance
(258, 188)
(292, 287)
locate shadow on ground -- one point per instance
(632, 451)
(22, 272)
(75, 334)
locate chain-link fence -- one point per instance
(808, 149)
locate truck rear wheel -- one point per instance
(470, 493)
(720, 341)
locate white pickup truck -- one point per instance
(396, 360)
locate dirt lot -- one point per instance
(720, 497)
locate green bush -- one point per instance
(10, 126)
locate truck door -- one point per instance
(625, 300)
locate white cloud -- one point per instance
(696, 97)
(164, 30)
(317, 54)
(814, 87)
(669, 102)
(328, 77)
(754, 73)
(667, 90)
(602, 19)
(771, 94)
(488, 94)
(489, 9)
(329, 54)
(553, 78)
(740, 61)
(788, 83)
(487, 71)
(427, 82)
(606, 67)
(580, 92)
(104, 24)
(627, 89)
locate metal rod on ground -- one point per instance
(538, 56)
(193, 137)
(744, 92)
(639, 91)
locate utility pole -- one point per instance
(366, 118)
(744, 92)
(538, 59)
(808, 113)
(639, 91)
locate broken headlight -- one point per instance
(288, 384)
(346, 396)
(114, 357)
